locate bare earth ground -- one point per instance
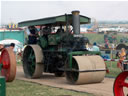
(100, 89)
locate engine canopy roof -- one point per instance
(54, 21)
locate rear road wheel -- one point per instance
(33, 61)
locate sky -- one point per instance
(17, 11)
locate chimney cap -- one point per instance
(75, 12)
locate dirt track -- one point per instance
(100, 89)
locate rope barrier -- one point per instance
(114, 60)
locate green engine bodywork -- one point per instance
(43, 42)
(53, 39)
(2, 84)
(80, 53)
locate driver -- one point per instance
(33, 35)
(60, 30)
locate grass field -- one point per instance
(113, 69)
(23, 88)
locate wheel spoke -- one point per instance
(120, 83)
(125, 84)
(31, 62)
(32, 57)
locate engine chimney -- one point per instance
(76, 22)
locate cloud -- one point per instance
(16, 11)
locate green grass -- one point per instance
(19, 63)
(23, 88)
(113, 69)
(98, 38)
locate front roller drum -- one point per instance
(8, 61)
(86, 66)
(32, 61)
(120, 87)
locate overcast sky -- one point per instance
(16, 11)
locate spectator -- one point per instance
(122, 56)
(117, 55)
(12, 45)
(1, 47)
(95, 47)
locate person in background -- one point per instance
(117, 55)
(1, 47)
(122, 56)
(12, 45)
(32, 37)
(87, 47)
(95, 47)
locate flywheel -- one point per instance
(121, 82)
(8, 61)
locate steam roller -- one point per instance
(61, 51)
(121, 84)
(8, 64)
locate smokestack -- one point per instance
(76, 22)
